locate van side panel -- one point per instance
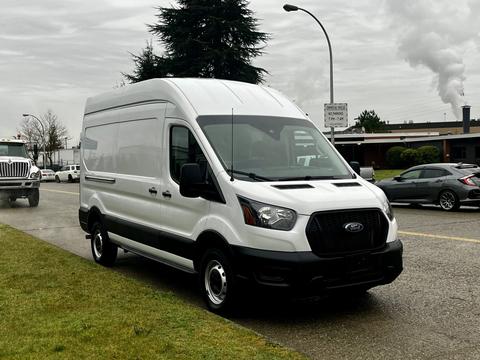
(121, 157)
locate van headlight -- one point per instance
(267, 216)
(388, 209)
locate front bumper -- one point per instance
(18, 187)
(307, 273)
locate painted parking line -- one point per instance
(61, 192)
(452, 238)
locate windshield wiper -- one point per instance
(250, 175)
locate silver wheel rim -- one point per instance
(215, 282)
(98, 244)
(447, 200)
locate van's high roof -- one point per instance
(197, 97)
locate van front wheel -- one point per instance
(217, 282)
(103, 250)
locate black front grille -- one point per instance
(327, 235)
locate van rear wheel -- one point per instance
(104, 251)
(217, 281)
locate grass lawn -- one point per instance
(385, 174)
(54, 304)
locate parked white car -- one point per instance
(210, 176)
(47, 175)
(68, 173)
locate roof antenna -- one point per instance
(231, 164)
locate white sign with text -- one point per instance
(336, 115)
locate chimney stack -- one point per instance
(466, 119)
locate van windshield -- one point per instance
(272, 148)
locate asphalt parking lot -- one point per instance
(432, 311)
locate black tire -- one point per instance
(218, 283)
(104, 251)
(57, 179)
(34, 198)
(448, 200)
(70, 179)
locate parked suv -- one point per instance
(68, 173)
(19, 177)
(448, 185)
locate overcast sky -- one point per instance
(399, 58)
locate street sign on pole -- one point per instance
(336, 115)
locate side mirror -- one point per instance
(398, 178)
(355, 165)
(190, 180)
(35, 152)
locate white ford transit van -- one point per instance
(211, 177)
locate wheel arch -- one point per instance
(209, 239)
(94, 215)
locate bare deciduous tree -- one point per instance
(55, 132)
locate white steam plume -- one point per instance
(431, 32)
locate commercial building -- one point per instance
(457, 141)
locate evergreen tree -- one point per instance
(204, 38)
(370, 121)
(147, 66)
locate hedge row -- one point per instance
(400, 157)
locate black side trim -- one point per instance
(157, 239)
(83, 218)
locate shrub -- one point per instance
(394, 159)
(428, 154)
(410, 157)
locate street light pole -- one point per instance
(44, 140)
(288, 8)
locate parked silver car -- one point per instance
(47, 175)
(448, 185)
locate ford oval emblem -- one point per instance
(353, 227)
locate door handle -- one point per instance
(166, 194)
(152, 190)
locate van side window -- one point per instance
(184, 149)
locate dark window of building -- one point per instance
(477, 152)
(459, 152)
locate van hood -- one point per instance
(307, 197)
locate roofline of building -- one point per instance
(411, 140)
